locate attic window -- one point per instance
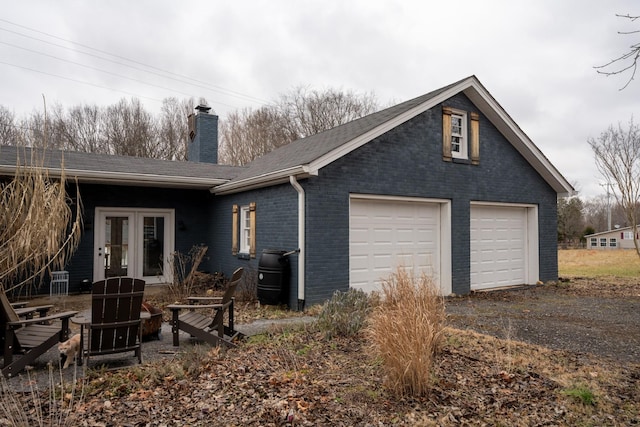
(458, 136)
(458, 142)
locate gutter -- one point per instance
(301, 240)
(127, 178)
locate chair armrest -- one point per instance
(64, 315)
(204, 298)
(194, 306)
(19, 304)
(25, 311)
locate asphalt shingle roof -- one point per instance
(306, 150)
(75, 163)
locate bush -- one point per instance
(345, 313)
(406, 329)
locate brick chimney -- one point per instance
(203, 136)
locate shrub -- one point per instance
(406, 329)
(344, 314)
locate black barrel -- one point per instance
(273, 277)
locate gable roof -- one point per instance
(614, 231)
(306, 156)
(122, 170)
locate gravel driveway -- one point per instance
(600, 317)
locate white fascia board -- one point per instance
(521, 142)
(128, 178)
(264, 180)
(386, 127)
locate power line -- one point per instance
(79, 81)
(105, 71)
(214, 88)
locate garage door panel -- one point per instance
(498, 242)
(404, 233)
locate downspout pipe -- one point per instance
(301, 239)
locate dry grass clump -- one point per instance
(406, 331)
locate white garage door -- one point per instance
(498, 246)
(385, 234)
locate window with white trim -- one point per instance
(603, 242)
(243, 233)
(628, 235)
(245, 230)
(594, 242)
(459, 135)
(613, 242)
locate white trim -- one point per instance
(272, 178)
(445, 277)
(301, 239)
(464, 137)
(129, 178)
(244, 247)
(135, 240)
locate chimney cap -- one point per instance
(203, 108)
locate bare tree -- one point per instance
(247, 134)
(8, 130)
(310, 111)
(626, 62)
(173, 128)
(130, 130)
(80, 129)
(617, 155)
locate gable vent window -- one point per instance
(458, 141)
(244, 230)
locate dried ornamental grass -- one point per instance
(406, 331)
(39, 231)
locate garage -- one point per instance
(503, 246)
(386, 233)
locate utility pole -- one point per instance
(607, 185)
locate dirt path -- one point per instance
(600, 317)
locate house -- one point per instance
(446, 183)
(619, 238)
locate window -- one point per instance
(243, 234)
(458, 142)
(613, 242)
(603, 242)
(458, 136)
(628, 235)
(594, 242)
(245, 230)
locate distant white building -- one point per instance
(620, 238)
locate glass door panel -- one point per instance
(153, 245)
(116, 246)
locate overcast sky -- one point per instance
(535, 57)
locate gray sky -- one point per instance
(535, 57)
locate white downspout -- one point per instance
(301, 240)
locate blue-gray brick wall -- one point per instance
(406, 161)
(276, 228)
(204, 146)
(191, 212)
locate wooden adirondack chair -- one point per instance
(115, 325)
(29, 337)
(210, 329)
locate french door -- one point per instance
(133, 242)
